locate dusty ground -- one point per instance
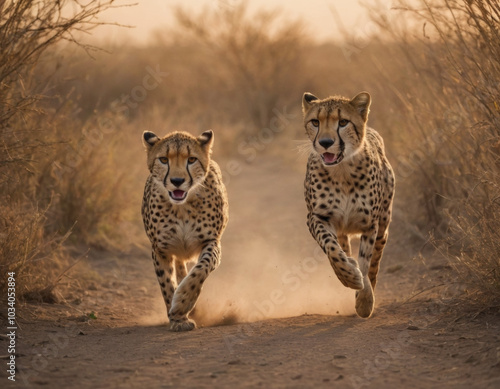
(114, 334)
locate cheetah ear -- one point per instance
(206, 139)
(362, 103)
(307, 99)
(149, 139)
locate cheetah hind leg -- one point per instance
(365, 298)
(345, 243)
(181, 272)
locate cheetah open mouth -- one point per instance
(178, 195)
(332, 159)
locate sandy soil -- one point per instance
(304, 332)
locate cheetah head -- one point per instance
(336, 125)
(179, 161)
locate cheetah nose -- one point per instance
(326, 143)
(177, 181)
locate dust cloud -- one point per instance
(263, 281)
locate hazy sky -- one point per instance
(149, 15)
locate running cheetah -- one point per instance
(185, 212)
(349, 188)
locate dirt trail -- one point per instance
(269, 270)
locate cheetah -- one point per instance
(185, 212)
(349, 188)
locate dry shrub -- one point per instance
(27, 29)
(25, 249)
(226, 67)
(228, 70)
(30, 140)
(451, 105)
(252, 59)
(475, 244)
(87, 181)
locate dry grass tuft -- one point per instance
(26, 250)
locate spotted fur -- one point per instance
(185, 212)
(349, 189)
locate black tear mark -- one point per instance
(341, 141)
(356, 130)
(168, 169)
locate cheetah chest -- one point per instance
(175, 229)
(348, 205)
(182, 237)
(349, 212)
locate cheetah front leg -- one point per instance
(365, 298)
(189, 289)
(345, 267)
(164, 268)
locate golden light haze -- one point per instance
(148, 16)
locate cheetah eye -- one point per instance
(343, 122)
(163, 160)
(192, 160)
(315, 123)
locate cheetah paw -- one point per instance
(351, 276)
(365, 301)
(180, 326)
